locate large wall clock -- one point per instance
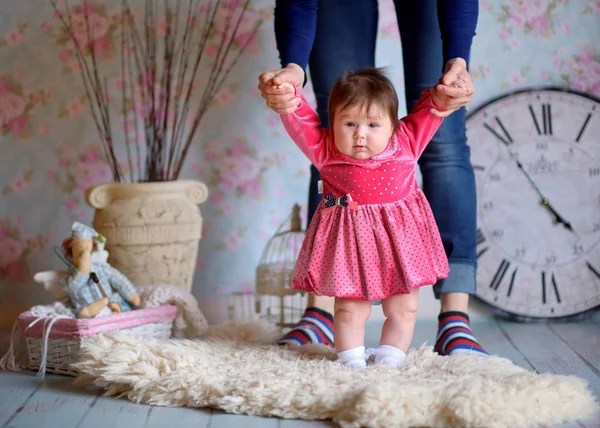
(536, 157)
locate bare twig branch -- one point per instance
(159, 74)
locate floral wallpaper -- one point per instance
(51, 152)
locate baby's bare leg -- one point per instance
(349, 325)
(401, 313)
(349, 331)
(397, 333)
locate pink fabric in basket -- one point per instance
(78, 328)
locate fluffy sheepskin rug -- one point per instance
(237, 369)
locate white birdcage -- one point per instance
(274, 295)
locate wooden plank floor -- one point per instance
(26, 401)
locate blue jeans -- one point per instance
(346, 36)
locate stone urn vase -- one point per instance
(152, 230)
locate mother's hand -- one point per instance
(455, 88)
(279, 96)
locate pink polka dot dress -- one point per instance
(374, 234)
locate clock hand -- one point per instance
(530, 180)
(557, 217)
(544, 201)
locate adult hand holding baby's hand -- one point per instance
(454, 89)
(278, 88)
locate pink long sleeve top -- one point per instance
(374, 234)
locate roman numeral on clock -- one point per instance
(480, 241)
(506, 139)
(552, 282)
(546, 122)
(497, 279)
(512, 282)
(594, 271)
(587, 120)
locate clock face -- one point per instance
(536, 157)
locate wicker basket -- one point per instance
(67, 335)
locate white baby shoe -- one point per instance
(353, 357)
(388, 355)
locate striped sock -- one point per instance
(455, 335)
(315, 326)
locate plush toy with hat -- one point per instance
(92, 284)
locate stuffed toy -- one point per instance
(91, 284)
(53, 280)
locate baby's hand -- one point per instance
(287, 87)
(282, 107)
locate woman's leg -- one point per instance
(448, 179)
(345, 39)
